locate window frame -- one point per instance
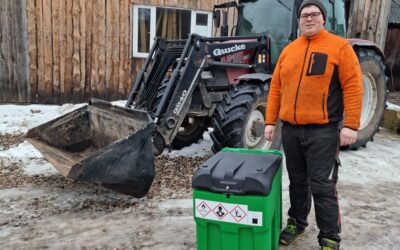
(153, 16)
(209, 21)
(135, 33)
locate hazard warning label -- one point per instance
(203, 209)
(220, 211)
(238, 214)
(227, 212)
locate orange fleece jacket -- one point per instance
(315, 80)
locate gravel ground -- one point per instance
(30, 204)
(51, 212)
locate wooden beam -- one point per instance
(4, 51)
(89, 48)
(32, 51)
(61, 55)
(95, 50)
(82, 47)
(366, 23)
(41, 47)
(108, 46)
(124, 68)
(47, 52)
(21, 57)
(115, 51)
(10, 60)
(101, 57)
(55, 14)
(76, 59)
(382, 24)
(68, 86)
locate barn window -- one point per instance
(169, 23)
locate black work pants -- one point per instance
(312, 162)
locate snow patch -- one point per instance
(18, 119)
(27, 156)
(393, 107)
(200, 149)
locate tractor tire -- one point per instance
(190, 131)
(238, 120)
(374, 97)
(192, 128)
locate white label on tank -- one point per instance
(227, 212)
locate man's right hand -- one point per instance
(269, 132)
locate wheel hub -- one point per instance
(254, 134)
(257, 129)
(369, 101)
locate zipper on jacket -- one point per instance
(323, 105)
(301, 77)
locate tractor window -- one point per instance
(270, 17)
(335, 21)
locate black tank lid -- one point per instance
(239, 171)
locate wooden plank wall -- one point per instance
(78, 49)
(392, 53)
(81, 49)
(14, 86)
(369, 20)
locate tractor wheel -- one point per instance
(190, 131)
(192, 127)
(239, 119)
(374, 97)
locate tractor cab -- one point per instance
(277, 19)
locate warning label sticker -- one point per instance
(220, 211)
(227, 212)
(203, 209)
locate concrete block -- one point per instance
(391, 118)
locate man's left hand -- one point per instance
(347, 136)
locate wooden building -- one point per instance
(14, 60)
(58, 51)
(368, 19)
(392, 48)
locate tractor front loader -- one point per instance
(180, 90)
(187, 86)
(100, 143)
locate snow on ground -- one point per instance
(17, 119)
(31, 159)
(369, 186)
(392, 107)
(201, 148)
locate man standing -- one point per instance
(316, 84)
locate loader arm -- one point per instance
(197, 54)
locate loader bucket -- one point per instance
(100, 143)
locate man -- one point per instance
(316, 84)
